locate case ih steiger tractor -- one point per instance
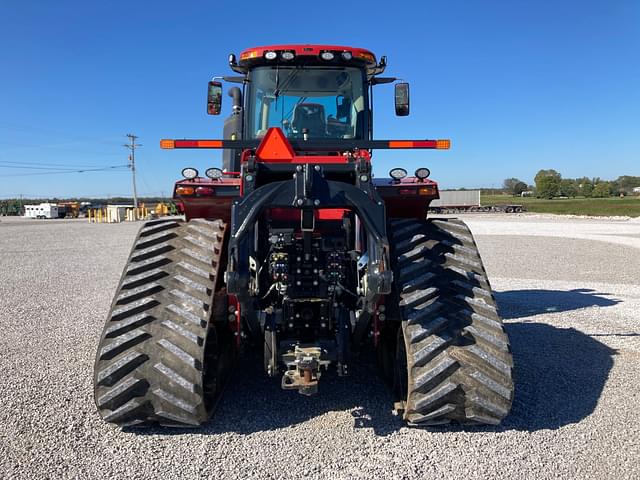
(294, 250)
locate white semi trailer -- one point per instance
(463, 201)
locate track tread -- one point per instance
(458, 356)
(150, 365)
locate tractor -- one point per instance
(294, 251)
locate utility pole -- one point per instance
(132, 164)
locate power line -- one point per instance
(47, 164)
(53, 169)
(57, 172)
(59, 134)
(132, 164)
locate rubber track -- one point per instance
(150, 363)
(459, 361)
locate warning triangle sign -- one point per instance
(275, 147)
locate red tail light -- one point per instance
(205, 191)
(416, 191)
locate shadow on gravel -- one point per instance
(559, 373)
(253, 403)
(525, 303)
(559, 376)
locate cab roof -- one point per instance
(256, 55)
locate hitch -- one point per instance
(303, 370)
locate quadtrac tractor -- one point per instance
(295, 251)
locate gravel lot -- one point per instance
(568, 289)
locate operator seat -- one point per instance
(310, 116)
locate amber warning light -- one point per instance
(277, 146)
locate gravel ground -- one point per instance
(568, 289)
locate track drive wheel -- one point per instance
(163, 355)
(452, 356)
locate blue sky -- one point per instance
(517, 85)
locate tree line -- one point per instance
(550, 184)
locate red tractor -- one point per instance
(295, 250)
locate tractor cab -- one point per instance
(307, 91)
(312, 96)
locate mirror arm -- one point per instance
(234, 79)
(382, 80)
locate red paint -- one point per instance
(307, 50)
(293, 214)
(206, 205)
(400, 203)
(319, 159)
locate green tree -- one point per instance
(519, 188)
(602, 189)
(514, 186)
(568, 187)
(626, 183)
(548, 183)
(585, 186)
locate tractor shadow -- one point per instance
(559, 376)
(525, 303)
(559, 372)
(253, 402)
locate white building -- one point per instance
(636, 190)
(44, 210)
(117, 213)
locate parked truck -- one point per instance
(293, 250)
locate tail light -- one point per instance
(205, 191)
(416, 191)
(184, 190)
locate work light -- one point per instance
(213, 173)
(189, 173)
(422, 173)
(397, 173)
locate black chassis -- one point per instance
(312, 186)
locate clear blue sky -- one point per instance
(517, 85)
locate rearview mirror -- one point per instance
(214, 98)
(402, 99)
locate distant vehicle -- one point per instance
(69, 209)
(468, 201)
(456, 200)
(44, 210)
